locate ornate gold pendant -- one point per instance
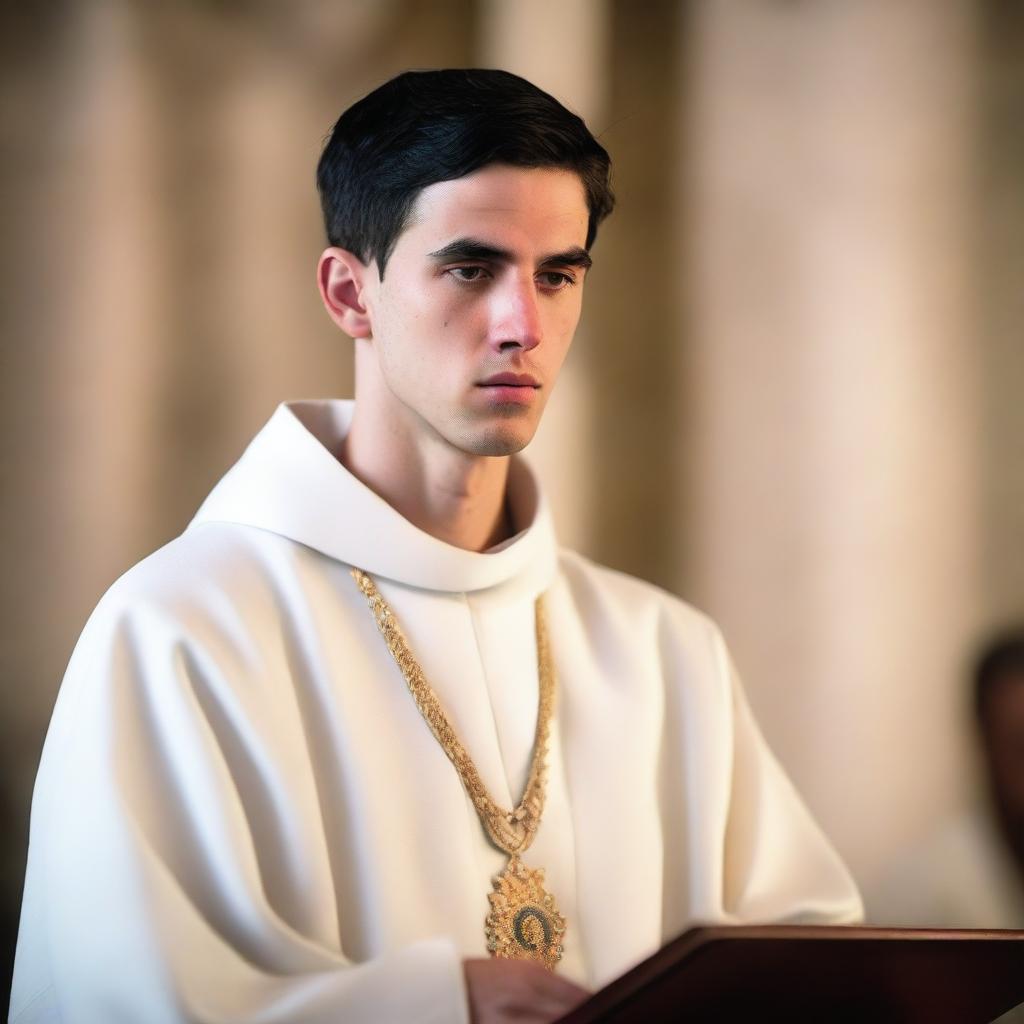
(524, 923)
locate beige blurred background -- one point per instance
(794, 398)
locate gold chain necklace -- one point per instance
(523, 923)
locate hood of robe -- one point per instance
(291, 482)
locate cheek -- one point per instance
(420, 340)
(434, 314)
(563, 321)
(399, 326)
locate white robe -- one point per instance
(240, 814)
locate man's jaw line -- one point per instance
(460, 491)
(451, 493)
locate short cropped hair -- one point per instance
(999, 662)
(423, 127)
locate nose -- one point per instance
(516, 316)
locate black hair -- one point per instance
(999, 662)
(423, 127)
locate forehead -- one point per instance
(529, 208)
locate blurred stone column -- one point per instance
(563, 49)
(1002, 304)
(103, 347)
(830, 471)
(634, 303)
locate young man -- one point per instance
(364, 724)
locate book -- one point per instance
(833, 974)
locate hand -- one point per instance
(517, 990)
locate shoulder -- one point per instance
(634, 600)
(199, 569)
(201, 615)
(644, 642)
(646, 616)
(216, 589)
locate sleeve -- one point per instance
(145, 896)
(778, 865)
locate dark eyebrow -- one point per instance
(474, 249)
(574, 257)
(471, 249)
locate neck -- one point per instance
(453, 496)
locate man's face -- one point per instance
(478, 305)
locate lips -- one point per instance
(511, 380)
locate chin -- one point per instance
(495, 440)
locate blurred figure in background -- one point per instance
(999, 703)
(970, 872)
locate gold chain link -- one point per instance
(511, 831)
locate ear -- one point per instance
(342, 277)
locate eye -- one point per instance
(555, 280)
(467, 274)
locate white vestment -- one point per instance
(240, 814)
